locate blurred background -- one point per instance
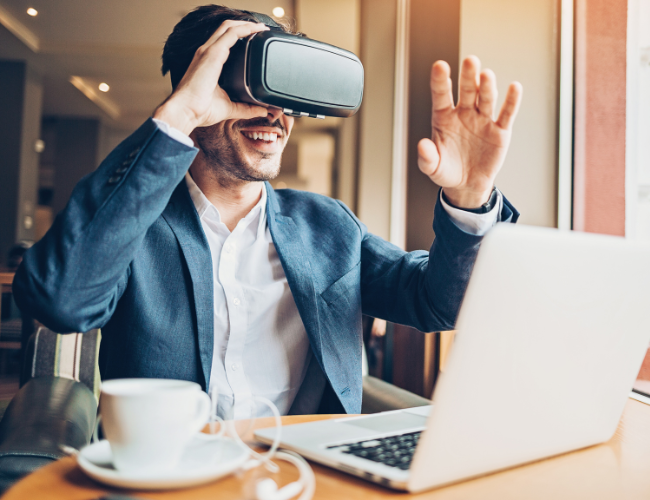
(79, 76)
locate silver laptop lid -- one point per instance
(551, 336)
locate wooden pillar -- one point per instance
(416, 360)
(378, 39)
(20, 118)
(73, 151)
(434, 31)
(600, 100)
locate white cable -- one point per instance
(266, 489)
(264, 458)
(95, 437)
(214, 418)
(306, 473)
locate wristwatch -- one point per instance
(483, 209)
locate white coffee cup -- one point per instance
(148, 422)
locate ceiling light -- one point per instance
(104, 87)
(32, 11)
(278, 12)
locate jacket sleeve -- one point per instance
(73, 277)
(421, 290)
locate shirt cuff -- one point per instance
(174, 133)
(477, 224)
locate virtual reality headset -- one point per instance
(304, 77)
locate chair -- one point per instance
(72, 356)
(55, 408)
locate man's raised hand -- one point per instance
(468, 145)
(198, 101)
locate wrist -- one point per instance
(175, 116)
(467, 199)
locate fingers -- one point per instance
(487, 93)
(428, 157)
(441, 95)
(209, 59)
(219, 51)
(468, 86)
(224, 27)
(510, 106)
(244, 111)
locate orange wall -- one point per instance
(600, 84)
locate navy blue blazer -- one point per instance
(128, 255)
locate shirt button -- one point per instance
(229, 248)
(236, 301)
(233, 367)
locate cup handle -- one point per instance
(203, 412)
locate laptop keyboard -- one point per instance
(394, 451)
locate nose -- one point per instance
(274, 113)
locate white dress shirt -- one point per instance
(261, 347)
(260, 343)
(477, 224)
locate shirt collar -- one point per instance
(262, 208)
(202, 204)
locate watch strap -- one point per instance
(483, 209)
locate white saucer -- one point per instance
(205, 459)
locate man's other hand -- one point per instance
(198, 101)
(468, 145)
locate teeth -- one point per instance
(262, 136)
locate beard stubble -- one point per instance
(227, 162)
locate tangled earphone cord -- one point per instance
(307, 478)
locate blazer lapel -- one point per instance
(292, 252)
(181, 216)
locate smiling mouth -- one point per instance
(267, 137)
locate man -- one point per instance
(210, 275)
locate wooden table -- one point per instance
(618, 469)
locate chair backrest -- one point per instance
(71, 355)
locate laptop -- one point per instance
(550, 338)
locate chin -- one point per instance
(263, 167)
(258, 170)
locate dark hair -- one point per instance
(196, 28)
